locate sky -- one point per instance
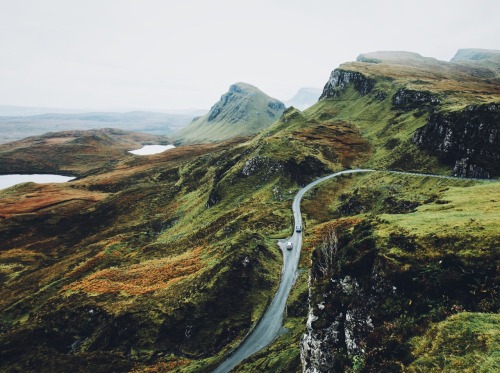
(166, 54)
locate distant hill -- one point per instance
(304, 98)
(244, 110)
(482, 57)
(24, 111)
(472, 54)
(72, 152)
(17, 127)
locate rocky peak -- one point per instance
(242, 95)
(340, 79)
(244, 89)
(243, 110)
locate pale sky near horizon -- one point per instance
(154, 54)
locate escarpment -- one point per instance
(468, 140)
(341, 79)
(406, 99)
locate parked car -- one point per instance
(298, 229)
(289, 245)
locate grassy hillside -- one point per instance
(156, 261)
(413, 251)
(164, 262)
(72, 152)
(244, 110)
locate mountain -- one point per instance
(473, 57)
(476, 55)
(393, 288)
(244, 110)
(304, 98)
(17, 127)
(166, 262)
(411, 106)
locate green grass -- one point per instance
(241, 113)
(435, 241)
(465, 342)
(473, 211)
(388, 132)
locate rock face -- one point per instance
(469, 140)
(244, 110)
(340, 306)
(406, 99)
(340, 79)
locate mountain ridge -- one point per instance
(242, 111)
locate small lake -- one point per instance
(7, 181)
(151, 149)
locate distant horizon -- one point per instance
(124, 55)
(81, 110)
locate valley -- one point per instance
(166, 262)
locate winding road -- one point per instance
(269, 325)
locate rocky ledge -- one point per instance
(406, 99)
(468, 140)
(341, 79)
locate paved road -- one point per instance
(270, 324)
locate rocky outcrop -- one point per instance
(406, 99)
(340, 306)
(467, 140)
(341, 79)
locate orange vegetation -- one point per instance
(36, 198)
(340, 225)
(341, 137)
(141, 278)
(163, 366)
(437, 76)
(59, 140)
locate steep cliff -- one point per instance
(340, 79)
(468, 140)
(421, 114)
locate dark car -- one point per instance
(298, 229)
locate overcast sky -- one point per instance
(162, 54)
